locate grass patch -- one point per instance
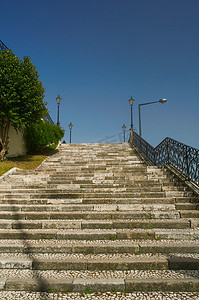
(26, 162)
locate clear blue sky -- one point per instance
(98, 53)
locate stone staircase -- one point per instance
(95, 217)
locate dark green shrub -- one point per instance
(41, 135)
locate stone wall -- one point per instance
(16, 145)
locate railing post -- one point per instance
(168, 157)
(187, 163)
(154, 157)
(131, 135)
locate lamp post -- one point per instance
(131, 101)
(70, 127)
(139, 105)
(58, 99)
(124, 128)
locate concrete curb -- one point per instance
(10, 172)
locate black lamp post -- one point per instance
(70, 127)
(58, 99)
(131, 101)
(139, 105)
(124, 128)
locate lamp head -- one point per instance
(163, 101)
(58, 99)
(70, 125)
(131, 101)
(124, 127)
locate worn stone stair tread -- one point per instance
(94, 224)
(97, 262)
(103, 234)
(15, 263)
(99, 246)
(100, 215)
(90, 207)
(100, 285)
(84, 200)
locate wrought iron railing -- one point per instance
(3, 46)
(49, 119)
(171, 152)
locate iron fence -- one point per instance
(3, 46)
(171, 152)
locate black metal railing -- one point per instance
(171, 152)
(3, 46)
(49, 119)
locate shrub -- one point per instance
(41, 135)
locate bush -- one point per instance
(41, 135)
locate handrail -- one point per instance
(144, 147)
(49, 119)
(3, 46)
(171, 152)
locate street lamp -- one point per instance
(70, 127)
(58, 99)
(131, 101)
(124, 128)
(139, 105)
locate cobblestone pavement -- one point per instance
(95, 296)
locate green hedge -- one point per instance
(41, 135)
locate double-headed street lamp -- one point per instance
(124, 129)
(139, 105)
(58, 99)
(70, 127)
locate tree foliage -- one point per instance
(21, 95)
(42, 134)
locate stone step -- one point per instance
(115, 188)
(39, 201)
(91, 163)
(187, 199)
(97, 262)
(78, 194)
(187, 206)
(99, 246)
(102, 285)
(83, 224)
(189, 214)
(163, 207)
(96, 182)
(101, 234)
(88, 215)
(135, 171)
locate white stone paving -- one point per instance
(95, 296)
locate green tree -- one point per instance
(21, 95)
